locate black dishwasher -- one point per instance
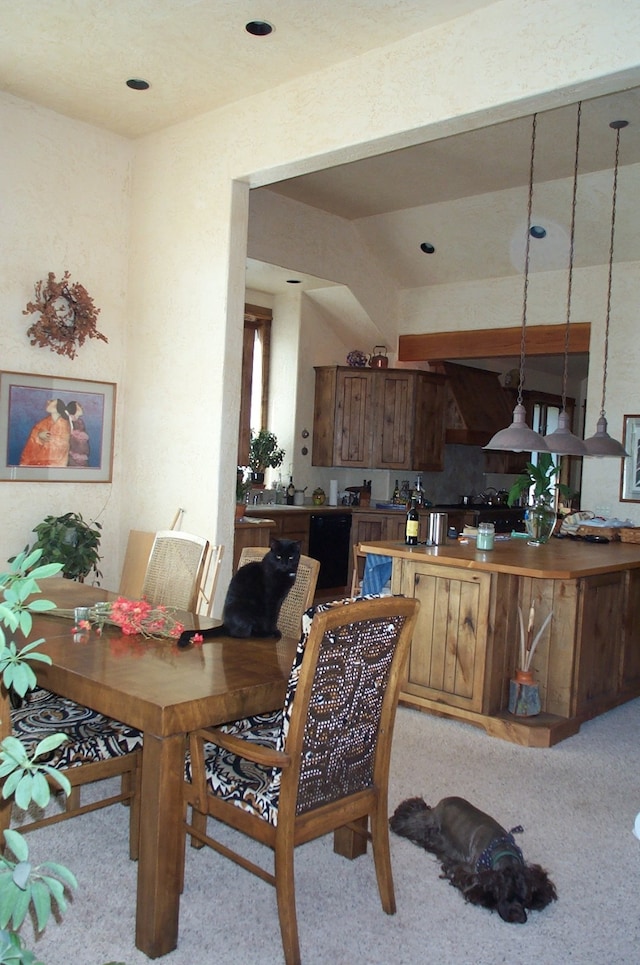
(330, 544)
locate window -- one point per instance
(254, 392)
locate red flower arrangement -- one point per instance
(133, 617)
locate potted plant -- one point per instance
(243, 486)
(71, 541)
(541, 516)
(264, 453)
(26, 888)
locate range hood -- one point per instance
(477, 406)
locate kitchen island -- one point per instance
(465, 646)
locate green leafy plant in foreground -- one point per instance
(23, 887)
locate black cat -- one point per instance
(255, 594)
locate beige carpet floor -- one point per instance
(577, 802)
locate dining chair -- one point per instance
(322, 763)
(97, 748)
(176, 570)
(300, 596)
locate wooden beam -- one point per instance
(492, 343)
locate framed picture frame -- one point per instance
(55, 429)
(630, 471)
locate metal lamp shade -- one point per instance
(601, 444)
(563, 442)
(518, 437)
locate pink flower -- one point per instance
(197, 638)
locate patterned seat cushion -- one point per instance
(91, 736)
(243, 783)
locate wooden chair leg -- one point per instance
(286, 896)
(382, 859)
(73, 800)
(199, 821)
(134, 783)
(5, 819)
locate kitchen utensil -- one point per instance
(437, 529)
(378, 359)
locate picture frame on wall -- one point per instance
(630, 471)
(55, 429)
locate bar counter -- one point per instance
(466, 643)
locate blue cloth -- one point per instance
(377, 573)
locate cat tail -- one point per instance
(185, 637)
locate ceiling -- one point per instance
(465, 194)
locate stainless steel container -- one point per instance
(437, 529)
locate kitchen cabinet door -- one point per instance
(343, 417)
(378, 418)
(449, 646)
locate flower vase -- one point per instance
(540, 520)
(524, 695)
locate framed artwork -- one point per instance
(630, 472)
(54, 429)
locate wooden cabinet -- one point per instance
(293, 525)
(377, 526)
(448, 661)
(378, 419)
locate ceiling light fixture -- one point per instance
(427, 248)
(537, 231)
(518, 437)
(601, 444)
(136, 84)
(259, 28)
(563, 442)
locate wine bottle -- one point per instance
(412, 525)
(291, 491)
(396, 493)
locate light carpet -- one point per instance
(577, 803)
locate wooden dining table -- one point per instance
(165, 692)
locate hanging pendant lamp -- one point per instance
(601, 444)
(563, 442)
(518, 437)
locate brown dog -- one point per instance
(478, 856)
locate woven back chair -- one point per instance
(300, 596)
(319, 765)
(176, 570)
(97, 747)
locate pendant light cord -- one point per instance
(572, 238)
(617, 125)
(527, 251)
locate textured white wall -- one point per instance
(65, 205)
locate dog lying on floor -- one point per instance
(478, 856)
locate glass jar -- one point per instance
(486, 536)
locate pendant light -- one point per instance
(518, 437)
(601, 444)
(563, 442)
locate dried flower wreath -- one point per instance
(67, 316)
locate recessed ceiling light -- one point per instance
(259, 28)
(136, 84)
(294, 281)
(427, 247)
(537, 231)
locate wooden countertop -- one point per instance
(559, 559)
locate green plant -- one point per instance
(264, 451)
(71, 541)
(542, 477)
(243, 485)
(23, 886)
